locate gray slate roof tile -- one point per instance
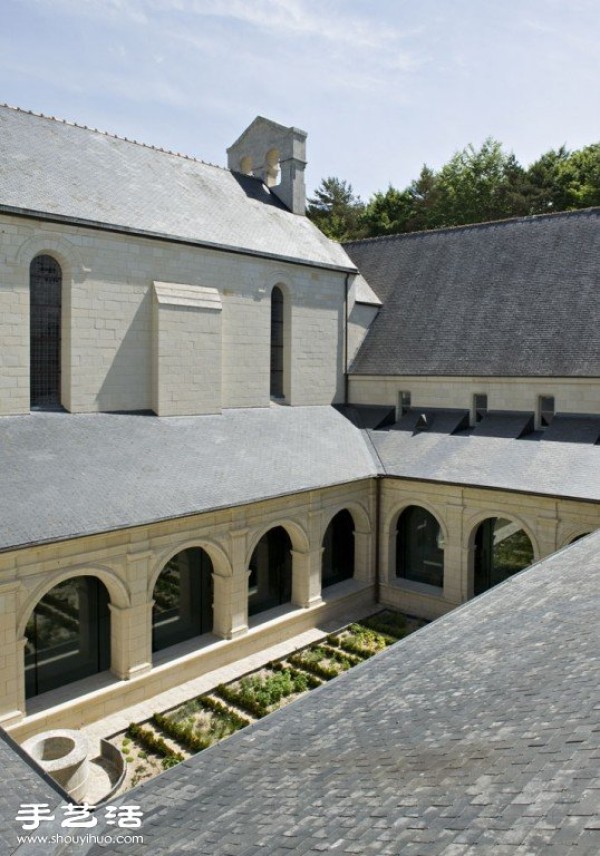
(63, 475)
(514, 298)
(61, 169)
(440, 745)
(530, 464)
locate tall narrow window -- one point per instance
(276, 343)
(45, 286)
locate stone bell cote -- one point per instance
(275, 154)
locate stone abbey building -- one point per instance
(219, 428)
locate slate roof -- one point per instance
(493, 455)
(478, 735)
(22, 782)
(66, 171)
(63, 475)
(514, 298)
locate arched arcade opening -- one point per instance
(67, 635)
(337, 562)
(501, 549)
(183, 599)
(270, 582)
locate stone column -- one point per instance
(363, 564)
(12, 662)
(230, 606)
(131, 640)
(546, 533)
(306, 578)
(456, 556)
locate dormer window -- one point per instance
(545, 410)
(480, 406)
(404, 402)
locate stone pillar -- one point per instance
(546, 533)
(306, 578)
(456, 556)
(230, 606)
(363, 564)
(131, 640)
(12, 663)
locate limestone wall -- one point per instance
(571, 395)
(107, 319)
(128, 563)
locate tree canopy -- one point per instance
(475, 186)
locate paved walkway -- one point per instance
(110, 725)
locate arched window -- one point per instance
(183, 597)
(45, 287)
(277, 343)
(338, 550)
(501, 549)
(270, 582)
(419, 547)
(68, 635)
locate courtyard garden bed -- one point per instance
(170, 737)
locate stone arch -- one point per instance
(297, 533)
(474, 521)
(419, 556)
(391, 525)
(118, 590)
(219, 558)
(495, 572)
(60, 248)
(66, 630)
(272, 168)
(574, 535)
(358, 512)
(246, 165)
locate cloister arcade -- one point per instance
(180, 592)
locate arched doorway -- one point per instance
(68, 635)
(419, 547)
(502, 548)
(45, 288)
(277, 343)
(270, 582)
(183, 599)
(337, 563)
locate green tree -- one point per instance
(336, 210)
(578, 179)
(476, 185)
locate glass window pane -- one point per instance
(419, 547)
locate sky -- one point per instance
(381, 86)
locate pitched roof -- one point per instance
(514, 298)
(498, 455)
(64, 475)
(479, 733)
(66, 171)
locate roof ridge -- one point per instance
(523, 218)
(113, 136)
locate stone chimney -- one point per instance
(275, 154)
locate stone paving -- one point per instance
(116, 722)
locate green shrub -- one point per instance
(390, 623)
(151, 742)
(183, 732)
